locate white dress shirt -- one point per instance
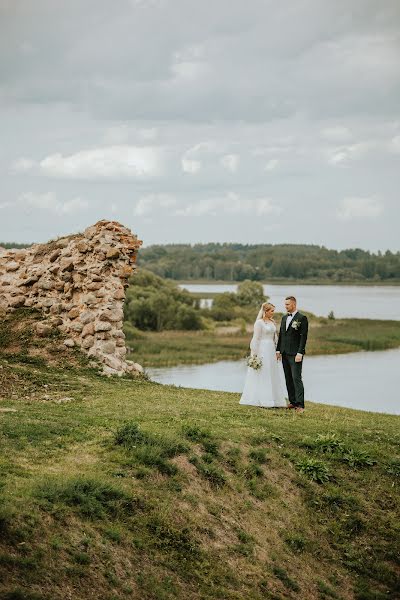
(290, 319)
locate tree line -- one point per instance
(237, 262)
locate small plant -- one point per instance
(296, 543)
(284, 577)
(215, 476)
(327, 443)
(258, 455)
(357, 458)
(393, 467)
(316, 470)
(331, 315)
(195, 434)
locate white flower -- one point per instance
(254, 362)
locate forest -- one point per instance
(261, 262)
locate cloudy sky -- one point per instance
(193, 121)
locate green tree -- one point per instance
(250, 293)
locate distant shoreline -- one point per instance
(395, 283)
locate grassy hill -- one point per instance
(122, 488)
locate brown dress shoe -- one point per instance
(300, 409)
(291, 406)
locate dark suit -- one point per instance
(292, 342)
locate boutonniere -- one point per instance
(296, 324)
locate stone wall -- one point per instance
(78, 283)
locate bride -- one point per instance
(263, 387)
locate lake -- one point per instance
(362, 380)
(347, 301)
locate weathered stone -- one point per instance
(74, 313)
(76, 288)
(12, 266)
(88, 342)
(108, 347)
(89, 299)
(125, 272)
(102, 326)
(67, 264)
(17, 301)
(43, 329)
(82, 246)
(54, 255)
(112, 253)
(86, 317)
(45, 284)
(119, 294)
(94, 286)
(69, 342)
(88, 330)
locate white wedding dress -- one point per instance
(264, 386)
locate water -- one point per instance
(347, 301)
(362, 380)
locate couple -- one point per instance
(263, 386)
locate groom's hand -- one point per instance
(298, 357)
(278, 356)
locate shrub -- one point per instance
(91, 497)
(315, 470)
(357, 458)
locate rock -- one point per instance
(54, 255)
(138, 368)
(86, 317)
(108, 347)
(74, 313)
(82, 246)
(88, 342)
(112, 253)
(78, 283)
(12, 266)
(125, 272)
(89, 299)
(102, 326)
(45, 284)
(43, 329)
(88, 329)
(94, 286)
(17, 301)
(67, 264)
(119, 294)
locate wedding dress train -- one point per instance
(264, 386)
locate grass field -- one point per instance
(124, 488)
(120, 488)
(169, 348)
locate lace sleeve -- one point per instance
(256, 339)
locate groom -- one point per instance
(291, 348)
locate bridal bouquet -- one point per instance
(254, 362)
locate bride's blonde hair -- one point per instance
(266, 306)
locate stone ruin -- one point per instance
(78, 282)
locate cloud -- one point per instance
(49, 202)
(151, 202)
(230, 162)
(190, 166)
(109, 162)
(343, 155)
(271, 165)
(232, 203)
(336, 134)
(356, 208)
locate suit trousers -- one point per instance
(294, 382)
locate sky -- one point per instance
(250, 121)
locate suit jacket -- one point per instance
(293, 341)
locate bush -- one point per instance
(315, 470)
(250, 293)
